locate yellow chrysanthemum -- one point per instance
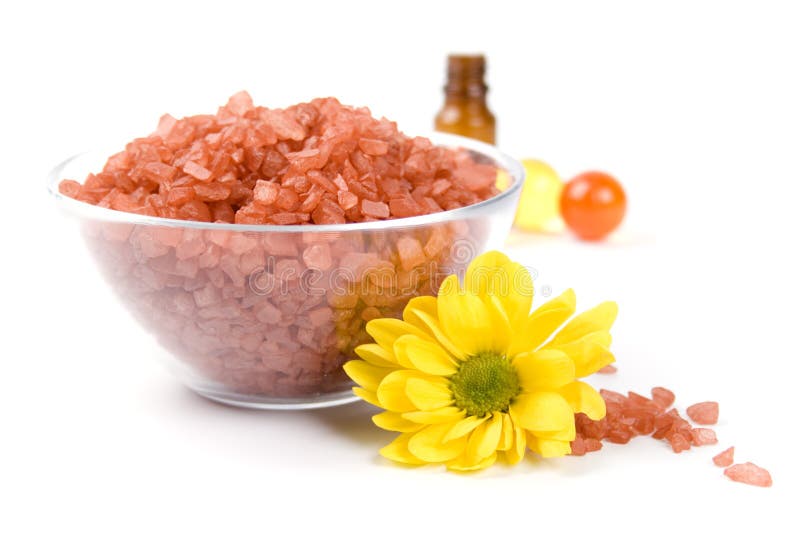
(472, 375)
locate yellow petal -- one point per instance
(494, 274)
(544, 370)
(585, 399)
(541, 324)
(517, 450)
(589, 353)
(461, 464)
(434, 328)
(481, 276)
(464, 427)
(376, 355)
(428, 444)
(448, 414)
(566, 434)
(385, 330)
(426, 305)
(599, 318)
(365, 374)
(369, 396)
(542, 410)
(499, 320)
(467, 321)
(428, 394)
(392, 391)
(427, 356)
(484, 440)
(507, 437)
(395, 422)
(397, 451)
(549, 448)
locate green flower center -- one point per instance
(485, 383)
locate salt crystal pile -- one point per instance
(275, 314)
(313, 163)
(631, 415)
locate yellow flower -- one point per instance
(472, 375)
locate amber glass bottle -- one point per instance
(465, 111)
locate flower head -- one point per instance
(472, 375)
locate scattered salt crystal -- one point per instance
(679, 443)
(749, 473)
(703, 436)
(704, 413)
(663, 397)
(607, 370)
(725, 458)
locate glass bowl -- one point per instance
(264, 316)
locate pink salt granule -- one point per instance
(749, 473)
(663, 397)
(704, 413)
(703, 436)
(607, 370)
(725, 458)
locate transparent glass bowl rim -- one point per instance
(510, 165)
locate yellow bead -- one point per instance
(538, 208)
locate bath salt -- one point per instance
(725, 458)
(663, 397)
(703, 436)
(631, 415)
(704, 413)
(749, 473)
(274, 312)
(253, 165)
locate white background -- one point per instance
(695, 106)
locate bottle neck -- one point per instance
(465, 79)
(460, 92)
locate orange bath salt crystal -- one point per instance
(346, 199)
(197, 171)
(378, 210)
(70, 188)
(663, 397)
(703, 436)
(749, 473)
(704, 413)
(373, 147)
(410, 252)
(725, 458)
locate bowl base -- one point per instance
(267, 403)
